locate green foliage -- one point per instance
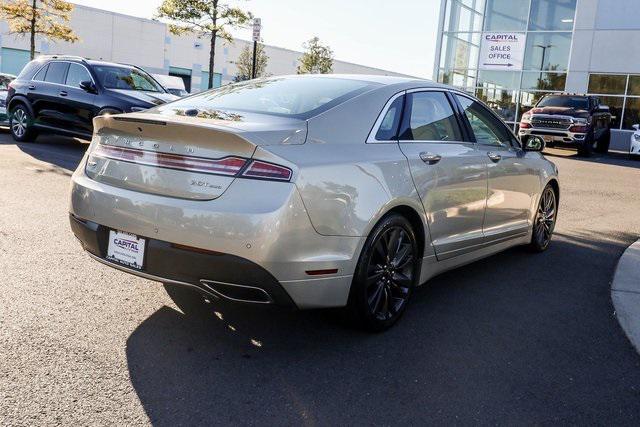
(204, 17)
(244, 63)
(48, 18)
(318, 58)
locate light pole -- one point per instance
(544, 48)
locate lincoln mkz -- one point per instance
(311, 191)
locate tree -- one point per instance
(245, 63)
(207, 17)
(49, 18)
(318, 59)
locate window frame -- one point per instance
(514, 141)
(371, 139)
(404, 120)
(46, 65)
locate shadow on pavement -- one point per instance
(612, 158)
(59, 151)
(516, 338)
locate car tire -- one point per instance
(387, 272)
(604, 142)
(587, 147)
(21, 124)
(545, 220)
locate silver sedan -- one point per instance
(311, 191)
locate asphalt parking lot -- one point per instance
(514, 339)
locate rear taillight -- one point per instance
(263, 170)
(229, 166)
(525, 125)
(579, 129)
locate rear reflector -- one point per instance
(229, 166)
(321, 272)
(264, 170)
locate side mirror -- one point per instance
(636, 127)
(533, 143)
(88, 86)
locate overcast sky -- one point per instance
(395, 35)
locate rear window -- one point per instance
(299, 97)
(576, 102)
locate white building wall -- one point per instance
(148, 43)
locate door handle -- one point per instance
(495, 157)
(63, 93)
(430, 158)
(31, 87)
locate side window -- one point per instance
(56, 72)
(40, 74)
(429, 117)
(77, 73)
(488, 129)
(388, 129)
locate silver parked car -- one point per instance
(311, 191)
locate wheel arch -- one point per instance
(20, 100)
(556, 188)
(414, 215)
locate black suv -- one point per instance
(578, 120)
(62, 94)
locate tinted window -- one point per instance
(388, 129)
(301, 97)
(429, 117)
(77, 73)
(486, 127)
(41, 73)
(56, 72)
(127, 78)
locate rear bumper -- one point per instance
(260, 229)
(221, 275)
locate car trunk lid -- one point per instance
(182, 157)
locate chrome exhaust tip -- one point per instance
(238, 293)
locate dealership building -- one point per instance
(149, 44)
(512, 52)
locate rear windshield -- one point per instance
(117, 77)
(299, 97)
(575, 102)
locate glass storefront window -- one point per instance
(547, 51)
(460, 51)
(615, 104)
(506, 15)
(634, 85)
(554, 15)
(461, 18)
(528, 100)
(499, 79)
(607, 84)
(459, 78)
(501, 101)
(543, 81)
(631, 113)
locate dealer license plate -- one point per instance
(126, 249)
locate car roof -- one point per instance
(380, 79)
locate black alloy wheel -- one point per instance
(386, 275)
(545, 221)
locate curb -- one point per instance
(625, 293)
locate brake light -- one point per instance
(578, 129)
(263, 170)
(228, 166)
(525, 125)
